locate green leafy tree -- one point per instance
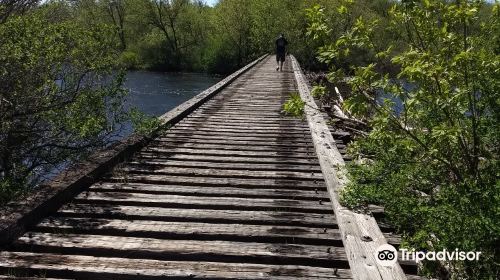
(59, 95)
(175, 20)
(116, 10)
(11, 7)
(233, 21)
(433, 160)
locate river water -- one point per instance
(156, 93)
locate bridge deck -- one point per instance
(234, 190)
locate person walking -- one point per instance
(281, 44)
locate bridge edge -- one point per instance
(359, 232)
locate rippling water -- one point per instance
(156, 93)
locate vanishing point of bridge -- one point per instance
(233, 189)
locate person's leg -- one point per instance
(277, 61)
(282, 60)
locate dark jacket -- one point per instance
(281, 43)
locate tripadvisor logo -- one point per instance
(387, 255)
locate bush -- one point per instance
(57, 101)
(129, 60)
(434, 164)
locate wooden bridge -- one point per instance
(232, 190)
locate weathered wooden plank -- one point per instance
(275, 110)
(222, 108)
(240, 113)
(292, 138)
(252, 94)
(215, 120)
(236, 137)
(214, 181)
(230, 114)
(164, 152)
(192, 231)
(255, 103)
(264, 104)
(228, 172)
(219, 106)
(218, 118)
(241, 159)
(360, 233)
(232, 165)
(243, 126)
(196, 116)
(260, 103)
(250, 106)
(279, 131)
(206, 250)
(89, 267)
(303, 151)
(232, 146)
(225, 141)
(198, 230)
(269, 217)
(212, 191)
(259, 98)
(180, 201)
(248, 119)
(233, 153)
(241, 110)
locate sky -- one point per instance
(211, 2)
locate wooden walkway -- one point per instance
(232, 191)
